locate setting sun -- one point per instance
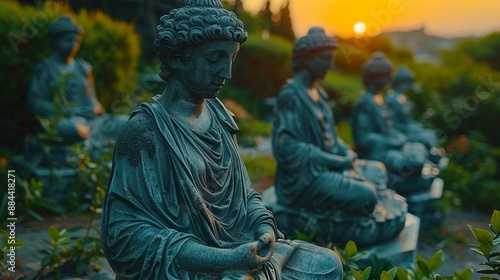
(359, 27)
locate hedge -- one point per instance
(112, 47)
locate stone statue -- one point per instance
(317, 172)
(179, 203)
(62, 90)
(376, 138)
(400, 110)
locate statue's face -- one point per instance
(405, 86)
(67, 45)
(319, 64)
(207, 68)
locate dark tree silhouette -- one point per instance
(284, 26)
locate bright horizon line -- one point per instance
(446, 18)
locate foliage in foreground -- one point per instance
(488, 246)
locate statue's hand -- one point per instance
(253, 255)
(84, 111)
(349, 160)
(83, 131)
(98, 109)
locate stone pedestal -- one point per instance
(422, 204)
(399, 251)
(56, 180)
(336, 228)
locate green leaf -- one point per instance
(385, 276)
(356, 274)
(487, 271)
(436, 261)
(486, 249)
(495, 220)
(5, 237)
(402, 274)
(58, 273)
(366, 273)
(45, 261)
(493, 263)
(481, 235)
(18, 243)
(80, 267)
(392, 272)
(477, 251)
(351, 249)
(423, 268)
(53, 233)
(466, 274)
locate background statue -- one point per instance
(179, 203)
(400, 110)
(376, 137)
(317, 171)
(62, 90)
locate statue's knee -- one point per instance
(313, 262)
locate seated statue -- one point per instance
(400, 110)
(179, 203)
(376, 138)
(62, 90)
(317, 172)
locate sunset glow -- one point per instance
(447, 18)
(359, 28)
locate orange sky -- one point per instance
(447, 18)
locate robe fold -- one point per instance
(170, 184)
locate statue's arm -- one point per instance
(39, 100)
(292, 148)
(365, 125)
(97, 107)
(244, 258)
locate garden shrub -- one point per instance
(260, 70)
(112, 47)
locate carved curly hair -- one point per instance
(403, 75)
(315, 40)
(197, 22)
(63, 25)
(377, 66)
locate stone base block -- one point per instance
(336, 229)
(399, 251)
(422, 204)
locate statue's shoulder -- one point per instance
(288, 93)
(140, 132)
(42, 66)
(83, 64)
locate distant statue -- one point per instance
(62, 90)
(317, 172)
(179, 203)
(400, 110)
(376, 137)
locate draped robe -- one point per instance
(303, 133)
(377, 139)
(170, 184)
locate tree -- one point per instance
(284, 27)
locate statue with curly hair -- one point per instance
(179, 203)
(376, 137)
(319, 177)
